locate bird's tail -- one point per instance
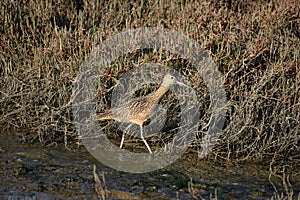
(104, 115)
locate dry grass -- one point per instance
(255, 45)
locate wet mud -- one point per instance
(55, 172)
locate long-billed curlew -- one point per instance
(138, 110)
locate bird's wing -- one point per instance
(108, 114)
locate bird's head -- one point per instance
(170, 80)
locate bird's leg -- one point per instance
(142, 136)
(122, 141)
(123, 135)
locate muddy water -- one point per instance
(54, 172)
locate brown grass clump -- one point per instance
(255, 45)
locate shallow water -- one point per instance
(54, 172)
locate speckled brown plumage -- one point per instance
(138, 110)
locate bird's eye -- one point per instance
(172, 77)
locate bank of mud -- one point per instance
(33, 171)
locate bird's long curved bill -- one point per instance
(179, 83)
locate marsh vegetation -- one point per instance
(255, 45)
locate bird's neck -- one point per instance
(159, 93)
